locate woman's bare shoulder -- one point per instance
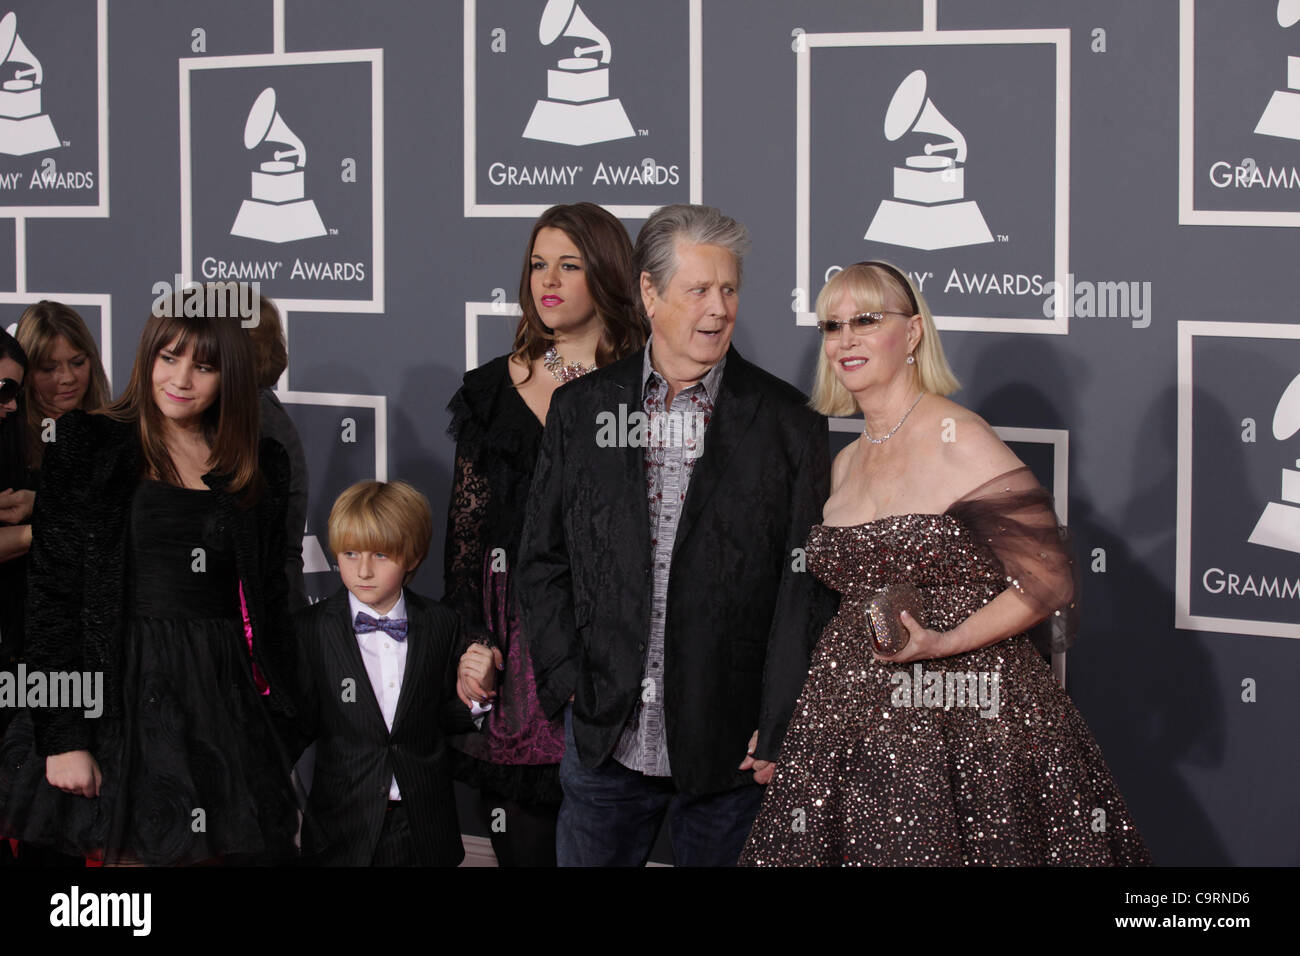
(971, 451)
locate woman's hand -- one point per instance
(16, 506)
(74, 772)
(15, 541)
(476, 675)
(923, 644)
(1007, 614)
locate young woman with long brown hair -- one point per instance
(159, 526)
(576, 295)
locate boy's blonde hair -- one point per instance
(391, 517)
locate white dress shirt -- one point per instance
(385, 660)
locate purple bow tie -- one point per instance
(393, 627)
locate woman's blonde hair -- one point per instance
(40, 327)
(391, 517)
(876, 286)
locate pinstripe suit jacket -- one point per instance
(357, 756)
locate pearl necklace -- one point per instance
(562, 371)
(881, 441)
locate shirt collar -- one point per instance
(396, 612)
(712, 380)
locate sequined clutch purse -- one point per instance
(888, 635)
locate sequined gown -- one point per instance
(876, 771)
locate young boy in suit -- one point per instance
(376, 675)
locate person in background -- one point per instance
(15, 535)
(272, 357)
(66, 371)
(576, 294)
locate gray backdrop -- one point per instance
(1109, 140)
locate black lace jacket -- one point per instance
(77, 589)
(497, 437)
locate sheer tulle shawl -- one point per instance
(1013, 515)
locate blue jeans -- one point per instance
(611, 816)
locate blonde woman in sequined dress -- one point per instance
(961, 748)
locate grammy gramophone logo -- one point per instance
(1281, 116)
(578, 109)
(314, 559)
(24, 128)
(1279, 525)
(929, 209)
(277, 210)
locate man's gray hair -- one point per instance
(656, 245)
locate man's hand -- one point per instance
(74, 772)
(476, 676)
(763, 769)
(16, 506)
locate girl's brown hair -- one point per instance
(607, 261)
(230, 424)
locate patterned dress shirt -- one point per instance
(674, 443)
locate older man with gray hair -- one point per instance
(666, 610)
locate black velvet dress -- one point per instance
(192, 768)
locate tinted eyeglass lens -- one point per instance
(864, 323)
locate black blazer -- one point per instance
(741, 620)
(357, 757)
(77, 589)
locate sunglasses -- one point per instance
(863, 323)
(9, 390)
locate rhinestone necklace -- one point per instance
(562, 371)
(881, 441)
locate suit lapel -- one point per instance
(342, 641)
(629, 390)
(418, 634)
(732, 413)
